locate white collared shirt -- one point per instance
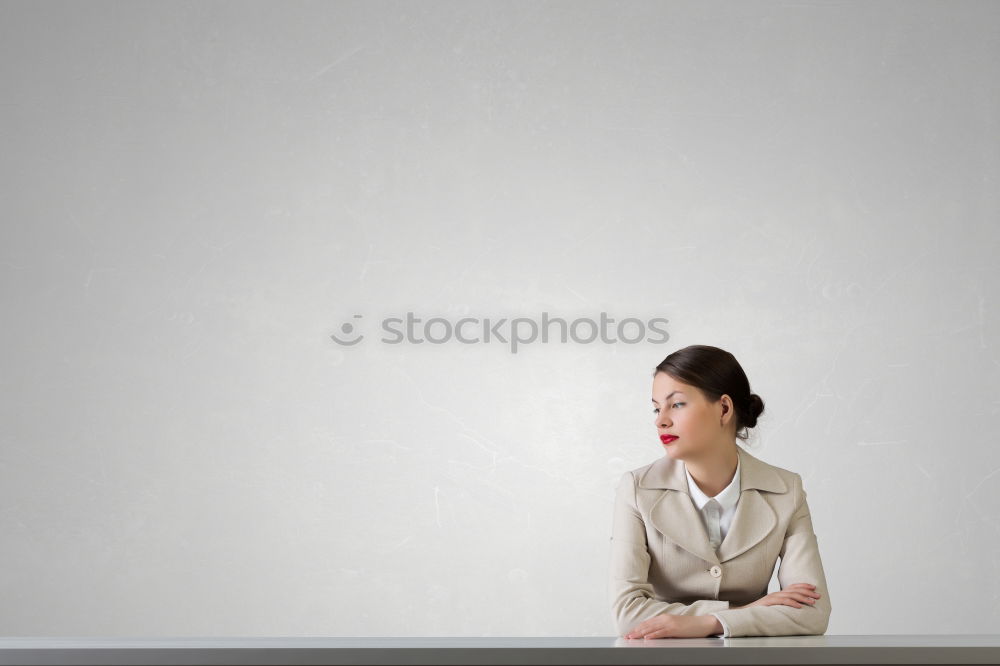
(718, 517)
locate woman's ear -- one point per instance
(727, 407)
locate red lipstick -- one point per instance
(666, 439)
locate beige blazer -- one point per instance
(663, 562)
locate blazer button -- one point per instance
(716, 571)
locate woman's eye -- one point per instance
(673, 405)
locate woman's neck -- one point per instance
(715, 471)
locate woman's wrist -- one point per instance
(713, 626)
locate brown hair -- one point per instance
(715, 371)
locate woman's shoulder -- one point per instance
(783, 472)
(765, 470)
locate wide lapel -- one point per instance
(675, 515)
(753, 521)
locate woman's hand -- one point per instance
(795, 595)
(666, 625)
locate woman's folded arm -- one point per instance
(800, 563)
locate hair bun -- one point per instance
(756, 409)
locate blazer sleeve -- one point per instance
(629, 589)
(800, 563)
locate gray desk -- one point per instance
(900, 649)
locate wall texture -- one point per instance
(197, 195)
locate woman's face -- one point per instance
(682, 410)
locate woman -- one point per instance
(696, 533)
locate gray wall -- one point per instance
(197, 195)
